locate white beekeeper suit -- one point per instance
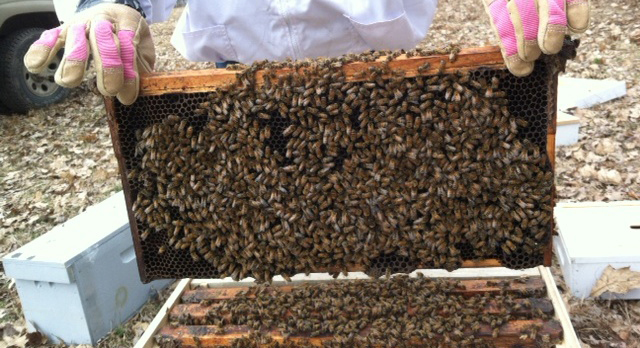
(243, 31)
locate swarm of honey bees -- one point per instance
(394, 312)
(309, 170)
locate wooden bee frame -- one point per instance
(167, 88)
(189, 292)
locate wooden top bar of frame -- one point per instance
(208, 80)
(470, 287)
(198, 313)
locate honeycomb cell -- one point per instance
(390, 264)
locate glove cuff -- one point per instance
(134, 4)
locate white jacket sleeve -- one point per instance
(65, 9)
(155, 10)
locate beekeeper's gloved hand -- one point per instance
(118, 38)
(528, 27)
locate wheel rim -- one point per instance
(43, 84)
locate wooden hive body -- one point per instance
(193, 299)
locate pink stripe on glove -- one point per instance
(530, 19)
(127, 52)
(506, 30)
(557, 14)
(48, 37)
(107, 47)
(79, 46)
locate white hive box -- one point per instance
(568, 129)
(80, 280)
(593, 235)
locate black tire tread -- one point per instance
(12, 94)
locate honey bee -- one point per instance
(441, 66)
(453, 56)
(423, 68)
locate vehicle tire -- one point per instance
(4, 110)
(21, 90)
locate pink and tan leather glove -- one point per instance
(527, 28)
(119, 40)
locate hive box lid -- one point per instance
(50, 257)
(594, 232)
(585, 93)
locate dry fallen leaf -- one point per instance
(9, 330)
(619, 281)
(101, 174)
(89, 138)
(605, 147)
(36, 339)
(14, 341)
(610, 176)
(622, 331)
(139, 328)
(587, 172)
(635, 36)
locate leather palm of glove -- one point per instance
(527, 28)
(119, 40)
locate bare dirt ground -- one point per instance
(58, 161)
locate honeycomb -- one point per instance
(530, 99)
